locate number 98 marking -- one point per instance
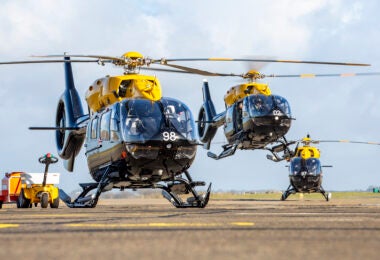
(276, 112)
(166, 136)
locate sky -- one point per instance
(326, 108)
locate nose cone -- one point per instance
(276, 122)
(158, 157)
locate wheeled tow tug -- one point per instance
(33, 192)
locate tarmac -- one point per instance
(225, 229)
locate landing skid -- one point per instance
(291, 190)
(325, 194)
(185, 186)
(84, 200)
(228, 150)
(170, 191)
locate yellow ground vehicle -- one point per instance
(34, 192)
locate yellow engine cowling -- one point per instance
(238, 92)
(108, 90)
(306, 152)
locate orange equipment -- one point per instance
(10, 187)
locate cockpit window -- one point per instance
(179, 117)
(142, 119)
(146, 120)
(282, 104)
(261, 105)
(311, 166)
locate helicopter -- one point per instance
(134, 138)
(305, 169)
(254, 117)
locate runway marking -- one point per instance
(9, 225)
(307, 213)
(161, 224)
(57, 215)
(243, 224)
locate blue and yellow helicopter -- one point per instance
(254, 117)
(305, 168)
(133, 136)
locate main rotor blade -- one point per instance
(79, 56)
(44, 61)
(270, 60)
(189, 70)
(347, 141)
(337, 141)
(311, 75)
(201, 72)
(167, 70)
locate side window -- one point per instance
(114, 130)
(229, 124)
(94, 127)
(114, 124)
(88, 131)
(229, 115)
(105, 126)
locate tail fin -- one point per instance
(69, 114)
(206, 128)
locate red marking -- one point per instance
(18, 185)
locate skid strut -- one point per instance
(291, 190)
(185, 186)
(84, 200)
(170, 191)
(325, 194)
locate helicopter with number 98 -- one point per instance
(133, 137)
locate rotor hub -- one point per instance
(131, 60)
(253, 75)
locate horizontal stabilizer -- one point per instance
(52, 128)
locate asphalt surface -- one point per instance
(226, 229)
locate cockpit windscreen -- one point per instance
(261, 105)
(311, 166)
(146, 120)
